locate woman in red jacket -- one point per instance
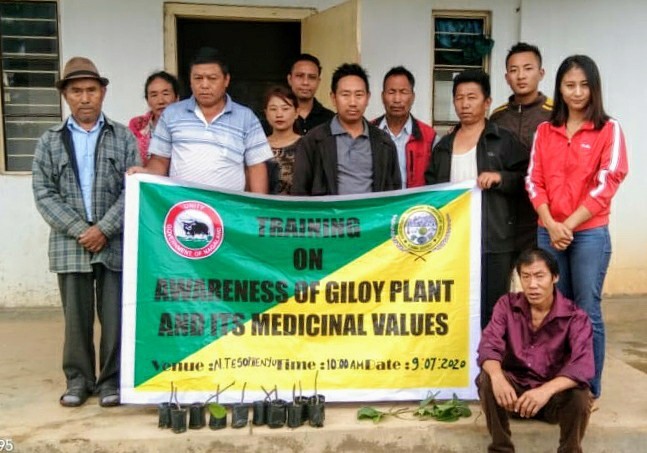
(578, 161)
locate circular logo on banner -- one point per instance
(193, 229)
(420, 230)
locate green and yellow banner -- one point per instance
(377, 297)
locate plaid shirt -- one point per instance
(58, 195)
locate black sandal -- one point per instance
(109, 397)
(74, 397)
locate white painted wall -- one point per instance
(24, 276)
(613, 34)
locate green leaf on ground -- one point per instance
(370, 413)
(449, 411)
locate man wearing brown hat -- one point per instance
(78, 182)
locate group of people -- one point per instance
(548, 171)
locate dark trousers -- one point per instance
(79, 293)
(570, 408)
(495, 281)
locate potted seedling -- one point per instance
(304, 401)
(298, 409)
(240, 412)
(164, 412)
(260, 409)
(217, 412)
(164, 415)
(178, 414)
(316, 407)
(197, 416)
(276, 411)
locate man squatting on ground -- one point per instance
(536, 358)
(78, 182)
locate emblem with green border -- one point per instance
(420, 230)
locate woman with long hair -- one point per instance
(281, 112)
(577, 162)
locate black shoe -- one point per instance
(74, 397)
(109, 397)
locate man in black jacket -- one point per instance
(482, 151)
(526, 109)
(304, 78)
(346, 155)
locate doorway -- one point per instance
(258, 53)
(274, 35)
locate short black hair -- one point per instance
(209, 55)
(348, 69)
(170, 78)
(477, 76)
(397, 71)
(531, 255)
(521, 47)
(306, 57)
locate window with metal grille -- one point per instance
(29, 60)
(461, 41)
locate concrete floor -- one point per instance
(626, 323)
(31, 382)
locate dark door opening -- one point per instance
(258, 53)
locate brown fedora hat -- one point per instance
(80, 68)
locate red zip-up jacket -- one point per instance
(585, 170)
(418, 150)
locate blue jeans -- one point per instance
(582, 268)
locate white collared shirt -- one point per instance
(85, 144)
(400, 141)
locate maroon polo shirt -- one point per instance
(562, 346)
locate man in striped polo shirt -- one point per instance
(208, 138)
